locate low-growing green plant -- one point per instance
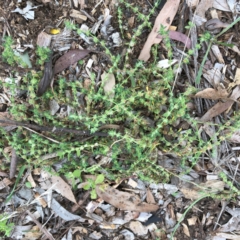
(91, 184)
(43, 54)
(5, 227)
(8, 54)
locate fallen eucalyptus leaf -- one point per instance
(210, 93)
(220, 107)
(124, 200)
(165, 18)
(47, 77)
(69, 58)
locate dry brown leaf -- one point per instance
(217, 53)
(236, 79)
(59, 184)
(221, 5)
(31, 180)
(203, 6)
(63, 188)
(4, 183)
(123, 200)
(175, 35)
(41, 201)
(150, 197)
(3, 174)
(132, 183)
(69, 58)
(165, 18)
(34, 233)
(37, 171)
(217, 109)
(235, 137)
(197, 192)
(213, 76)
(131, 21)
(137, 228)
(220, 107)
(213, 94)
(79, 229)
(185, 229)
(192, 221)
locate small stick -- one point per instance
(43, 229)
(13, 165)
(53, 129)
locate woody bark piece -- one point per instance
(13, 165)
(220, 107)
(165, 18)
(76, 14)
(44, 39)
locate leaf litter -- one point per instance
(135, 208)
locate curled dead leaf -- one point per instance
(69, 58)
(123, 200)
(220, 107)
(211, 93)
(196, 192)
(175, 35)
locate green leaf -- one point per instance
(93, 194)
(28, 185)
(69, 175)
(99, 179)
(78, 152)
(77, 173)
(87, 186)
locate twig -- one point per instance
(50, 139)
(13, 165)
(87, 15)
(43, 229)
(53, 129)
(224, 204)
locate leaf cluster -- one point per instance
(43, 54)
(8, 54)
(5, 227)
